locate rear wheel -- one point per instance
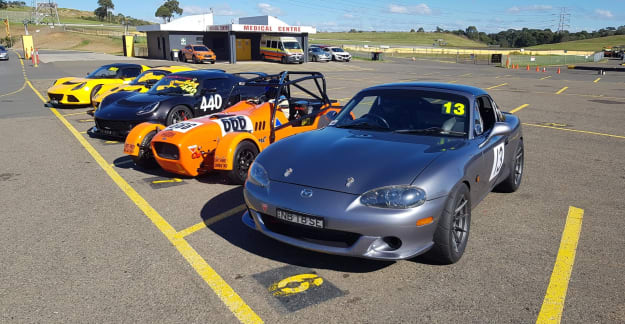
(178, 114)
(513, 181)
(452, 232)
(244, 155)
(145, 159)
(194, 59)
(283, 60)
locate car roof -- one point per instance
(436, 86)
(122, 65)
(204, 74)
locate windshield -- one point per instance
(104, 72)
(336, 49)
(2, 48)
(200, 48)
(175, 85)
(316, 50)
(407, 111)
(291, 45)
(148, 75)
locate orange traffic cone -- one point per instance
(558, 70)
(544, 69)
(537, 68)
(528, 67)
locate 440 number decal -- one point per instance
(213, 103)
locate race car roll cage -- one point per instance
(283, 86)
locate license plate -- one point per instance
(54, 102)
(107, 132)
(292, 217)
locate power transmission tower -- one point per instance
(45, 12)
(565, 20)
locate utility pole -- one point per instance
(565, 20)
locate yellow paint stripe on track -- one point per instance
(173, 180)
(227, 295)
(547, 77)
(575, 130)
(597, 80)
(496, 86)
(561, 90)
(192, 229)
(518, 108)
(553, 304)
(14, 92)
(74, 114)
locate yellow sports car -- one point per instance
(142, 83)
(80, 91)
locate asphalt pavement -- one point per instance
(80, 248)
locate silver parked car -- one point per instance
(316, 54)
(4, 54)
(395, 175)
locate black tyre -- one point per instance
(452, 232)
(244, 155)
(178, 114)
(513, 181)
(283, 60)
(212, 62)
(145, 159)
(314, 58)
(94, 92)
(195, 61)
(262, 57)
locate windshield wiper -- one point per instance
(362, 125)
(430, 130)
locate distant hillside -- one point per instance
(394, 38)
(72, 16)
(593, 44)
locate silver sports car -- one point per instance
(393, 176)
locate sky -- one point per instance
(341, 15)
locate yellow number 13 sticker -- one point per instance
(458, 108)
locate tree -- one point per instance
(105, 6)
(100, 12)
(420, 30)
(412, 30)
(3, 4)
(168, 9)
(472, 33)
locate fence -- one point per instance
(448, 56)
(15, 16)
(543, 60)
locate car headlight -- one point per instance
(397, 197)
(149, 108)
(79, 86)
(258, 175)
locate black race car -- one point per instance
(176, 97)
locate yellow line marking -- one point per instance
(454, 81)
(561, 90)
(547, 77)
(597, 80)
(227, 295)
(497, 86)
(575, 130)
(553, 304)
(194, 228)
(167, 181)
(84, 120)
(111, 142)
(74, 114)
(518, 108)
(82, 132)
(16, 91)
(468, 74)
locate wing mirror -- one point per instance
(150, 83)
(498, 130)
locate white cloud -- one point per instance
(221, 10)
(604, 13)
(268, 9)
(348, 16)
(516, 9)
(420, 9)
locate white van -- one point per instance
(282, 49)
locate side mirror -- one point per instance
(498, 130)
(150, 83)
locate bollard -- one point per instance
(558, 70)
(544, 69)
(37, 57)
(537, 68)
(528, 67)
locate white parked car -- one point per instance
(338, 54)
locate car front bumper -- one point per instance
(350, 228)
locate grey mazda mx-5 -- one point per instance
(393, 176)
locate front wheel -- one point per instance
(513, 181)
(145, 159)
(195, 61)
(244, 155)
(178, 114)
(283, 60)
(452, 232)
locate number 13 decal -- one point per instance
(499, 152)
(458, 109)
(214, 102)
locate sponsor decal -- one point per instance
(213, 103)
(498, 156)
(182, 127)
(235, 124)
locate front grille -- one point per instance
(166, 150)
(54, 96)
(314, 235)
(115, 125)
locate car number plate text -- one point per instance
(299, 218)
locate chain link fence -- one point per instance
(544, 60)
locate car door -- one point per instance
(212, 96)
(493, 152)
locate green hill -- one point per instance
(393, 38)
(593, 44)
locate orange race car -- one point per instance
(294, 102)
